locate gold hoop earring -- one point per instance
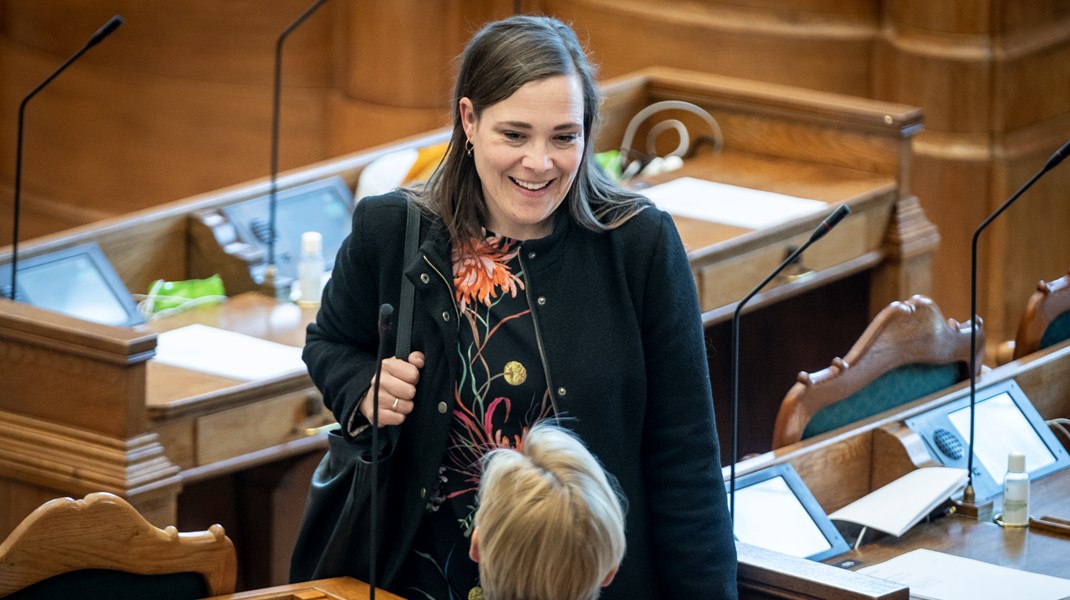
(469, 147)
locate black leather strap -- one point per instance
(408, 291)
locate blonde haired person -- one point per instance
(549, 526)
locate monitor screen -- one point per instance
(1001, 428)
(1004, 420)
(775, 511)
(78, 281)
(325, 206)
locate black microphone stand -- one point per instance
(271, 272)
(841, 211)
(104, 31)
(969, 505)
(384, 327)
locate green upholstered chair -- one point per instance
(1046, 320)
(907, 351)
(101, 547)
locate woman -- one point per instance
(550, 525)
(542, 291)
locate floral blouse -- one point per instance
(499, 393)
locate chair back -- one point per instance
(101, 547)
(908, 351)
(1046, 320)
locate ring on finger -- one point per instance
(394, 406)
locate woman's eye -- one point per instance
(513, 135)
(568, 138)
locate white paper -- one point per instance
(226, 353)
(729, 204)
(898, 506)
(934, 575)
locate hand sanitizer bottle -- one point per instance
(1016, 491)
(310, 268)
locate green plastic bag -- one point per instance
(176, 295)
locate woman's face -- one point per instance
(527, 149)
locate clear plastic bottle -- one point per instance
(310, 269)
(1016, 491)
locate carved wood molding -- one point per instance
(910, 232)
(79, 462)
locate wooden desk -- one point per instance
(336, 588)
(843, 465)
(85, 409)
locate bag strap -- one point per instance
(408, 291)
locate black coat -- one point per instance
(618, 316)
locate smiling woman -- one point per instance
(543, 292)
(527, 149)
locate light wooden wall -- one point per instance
(178, 100)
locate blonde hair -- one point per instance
(551, 525)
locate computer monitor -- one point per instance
(325, 206)
(1004, 420)
(77, 281)
(776, 511)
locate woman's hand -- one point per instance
(396, 391)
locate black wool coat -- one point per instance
(618, 319)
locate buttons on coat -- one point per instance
(425, 278)
(423, 492)
(561, 391)
(442, 408)
(541, 300)
(531, 254)
(446, 316)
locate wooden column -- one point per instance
(72, 416)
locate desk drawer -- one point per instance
(724, 280)
(253, 427)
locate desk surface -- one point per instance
(171, 390)
(336, 588)
(842, 465)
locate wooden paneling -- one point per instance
(178, 100)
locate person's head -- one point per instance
(550, 525)
(525, 113)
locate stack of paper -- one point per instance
(937, 576)
(729, 204)
(226, 353)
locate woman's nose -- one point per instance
(537, 159)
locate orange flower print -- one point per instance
(480, 270)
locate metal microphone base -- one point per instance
(971, 509)
(275, 285)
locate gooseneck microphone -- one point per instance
(104, 31)
(385, 311)
(276, 97)
(968, 496)
(823, 228)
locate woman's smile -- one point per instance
(527, 150)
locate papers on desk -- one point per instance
(226, 353)
(934, 575)
(729, 204)
(898, 506)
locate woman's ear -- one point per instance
(473, 549)
(468, 116)
(609, 576)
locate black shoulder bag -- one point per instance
(335, 529)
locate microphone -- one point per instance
(823, 228)
(385, 311)
(969, 495)
(97, 37)
(269, 275)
